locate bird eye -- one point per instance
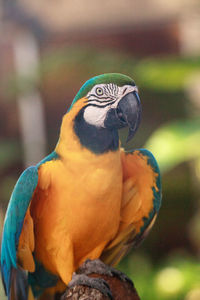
(99, 91)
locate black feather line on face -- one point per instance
(103, 101)
(105, 91)
(102, 97)
(109, 88)
(101, 106)
(124, 90)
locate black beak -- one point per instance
(129, 113)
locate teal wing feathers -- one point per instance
(16, 211)
(157, 197)
(17, 208)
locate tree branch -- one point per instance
(121, 290)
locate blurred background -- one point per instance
(48, 49)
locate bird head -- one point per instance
(103, 105)
(111, 102)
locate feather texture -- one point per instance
(141, 200)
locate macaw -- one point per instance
(88, 199)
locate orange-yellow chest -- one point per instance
(78, 199)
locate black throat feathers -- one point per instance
(98, 140)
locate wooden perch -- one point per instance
(121, 290)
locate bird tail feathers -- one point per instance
(19, 285)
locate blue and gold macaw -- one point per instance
(87, 199)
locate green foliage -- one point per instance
(175, 143)
(172, 279)
(169, 74)
(164, 74)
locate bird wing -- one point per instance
(18, 233)
(141, 200)
(14, 221)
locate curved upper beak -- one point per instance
(129, 112)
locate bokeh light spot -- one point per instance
(170, 281)
(193, 294)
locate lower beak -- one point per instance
(129, 113)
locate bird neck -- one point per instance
(96, 139)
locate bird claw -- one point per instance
(95, 283)
(98, 267)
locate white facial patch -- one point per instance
(96, 115)
(101, 99)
